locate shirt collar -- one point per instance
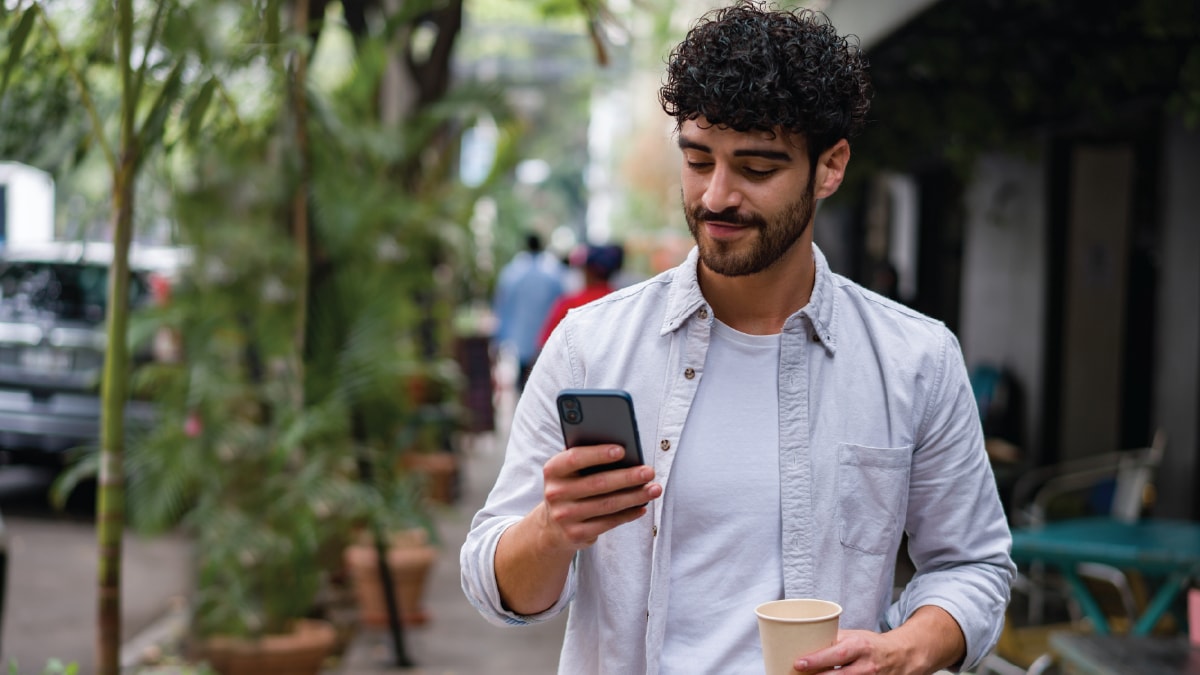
(821, 309)
(685, 299)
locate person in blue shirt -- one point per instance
(526, 289)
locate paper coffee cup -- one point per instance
(794, 627)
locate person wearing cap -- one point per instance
(601, 263)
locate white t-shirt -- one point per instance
(722, 510)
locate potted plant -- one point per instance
(408, 543)
(260, 469)
(404, 461)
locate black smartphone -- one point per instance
(599, 416)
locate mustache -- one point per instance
(731, 216)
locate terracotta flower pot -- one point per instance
(439, 470)
(409, 562)
(301, 652)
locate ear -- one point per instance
(831, 168)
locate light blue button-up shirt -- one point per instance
(879, 435)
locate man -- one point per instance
(526, 289)
(796, 425)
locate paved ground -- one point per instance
(50, 605)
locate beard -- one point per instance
(775, 237)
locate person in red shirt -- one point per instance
(601, 264)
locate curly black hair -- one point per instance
(748, 67)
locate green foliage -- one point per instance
(266, 425)
(298, 349)
(39, 103)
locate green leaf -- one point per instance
(16, 45)
(86, 467)
(152, 129)
(194, 115)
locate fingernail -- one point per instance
(615, 451)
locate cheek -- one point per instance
(691, 188)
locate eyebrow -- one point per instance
(777, 155)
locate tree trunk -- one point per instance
(110, 498)
(298, 93)
(110, 507)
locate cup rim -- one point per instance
(834, 610)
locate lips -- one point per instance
(721, 230)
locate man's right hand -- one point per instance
(534, 556)
(576, 509)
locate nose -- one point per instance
(722, 191)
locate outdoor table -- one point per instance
(1168, 549)
(1090, 654)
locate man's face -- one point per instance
(748, 197)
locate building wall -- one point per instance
(1095, 290)
(29, 205)
(1177, 390)
(1004, 276)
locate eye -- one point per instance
(698, 166)
(759, 173)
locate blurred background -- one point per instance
(321, 197)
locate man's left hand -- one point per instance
(929, 641)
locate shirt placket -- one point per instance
(795, 461)
(683, 381)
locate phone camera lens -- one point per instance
(572, 416)
(570, 403)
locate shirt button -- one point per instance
(654, 531)
(816, 338)
(690, 373)
(665, 445)
(703, 313)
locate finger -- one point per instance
(843, 652)
(614, 480)
(593, 507)
(591, 456)
(563, 485)
(573, 460)
(601, 524)
(585, 532)
(616, 501)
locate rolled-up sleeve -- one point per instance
(533, 439)
(959, 539)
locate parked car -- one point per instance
(53, 298)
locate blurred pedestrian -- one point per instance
(526, 289)
(798, 427)
(601, 263)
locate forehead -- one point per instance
(699, 132)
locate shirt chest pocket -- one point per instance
(872, 495)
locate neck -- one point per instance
(760, 303)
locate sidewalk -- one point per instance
(50, 605)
